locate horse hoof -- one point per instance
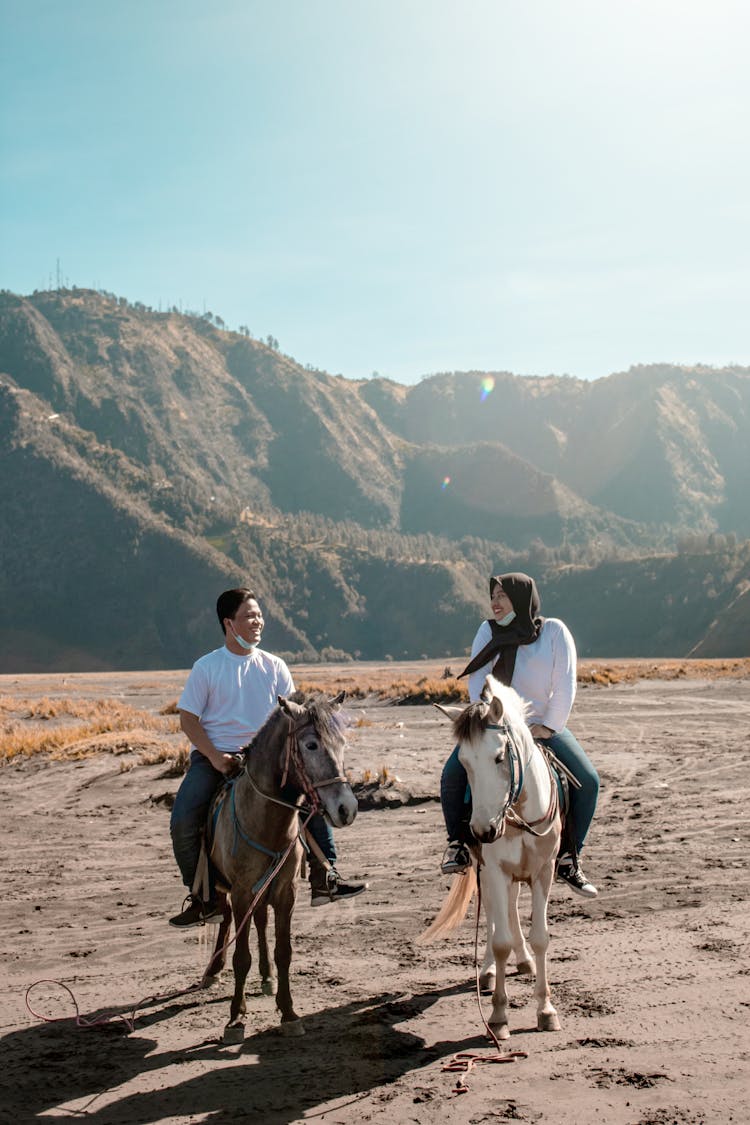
(500, 1030)
(487, 981)
(548, 1021)
(526, 968)
(292, 1029)
(233, 1033)
(268, 987)
(211, 982)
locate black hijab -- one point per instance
(524, 629)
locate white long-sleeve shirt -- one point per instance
(544, 674)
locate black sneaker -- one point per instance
(334, 890)
(457, 859)
(197, 913)
(571, 874)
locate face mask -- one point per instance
(248, 647)
(508, 618)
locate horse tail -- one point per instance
(453, 910)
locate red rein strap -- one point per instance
(293, 755)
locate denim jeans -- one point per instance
(190, 812)
(457, 807)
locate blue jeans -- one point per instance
(457, 807)
(190, 813)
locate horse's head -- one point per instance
(317, 762)
(491, 735)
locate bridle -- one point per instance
(293, 758)
(516, 769)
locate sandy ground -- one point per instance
(651, 980)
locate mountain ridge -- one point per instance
(213, 449)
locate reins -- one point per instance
(292, 756)
(516, 767)
(464, 1061)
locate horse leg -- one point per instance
(523, 955)
(487, 971)
(267, 981)
(234, 1032)
(219, 955)
(495, 887)
(283, 905)
(546, 1016)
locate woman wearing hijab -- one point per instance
(537, 657)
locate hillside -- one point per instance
(658, 445)
(149, 459)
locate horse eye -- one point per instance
(311, 745)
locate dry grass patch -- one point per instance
(420, 690)
(412, 687)
(381, 777)
(605, 672)
(177, 759)
(40, 727)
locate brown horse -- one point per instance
(296, 756)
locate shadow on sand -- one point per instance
(346, 1052)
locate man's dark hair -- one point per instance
(230, 601)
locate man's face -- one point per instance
(247, 622)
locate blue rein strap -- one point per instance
(515, 763)
(238, 831)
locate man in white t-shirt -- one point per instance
(228, 696)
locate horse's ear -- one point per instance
(487, 694)
(292, 709)
(337, 700)
(450, 711)
(496, 710)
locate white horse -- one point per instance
(516, 819)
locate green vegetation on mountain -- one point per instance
(149, 459)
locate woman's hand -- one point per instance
(540, 731)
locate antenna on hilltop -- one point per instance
(58, 273)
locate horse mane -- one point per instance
(472, 722)
(326, 721)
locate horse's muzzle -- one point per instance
(340, 805)
(489, 835)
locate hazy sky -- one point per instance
(405, 186)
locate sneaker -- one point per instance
(335, 890)
(457, 859)
(571, 874)
(197, 913)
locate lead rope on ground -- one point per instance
(129, 1020)
(159, 998)
(464, 1061)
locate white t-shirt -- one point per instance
(544, 673)
(234, 695)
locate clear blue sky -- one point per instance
(406, 186)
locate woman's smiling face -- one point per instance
(500, 602)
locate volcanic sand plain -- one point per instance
(651, 979)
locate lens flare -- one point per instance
(446, 482)
(488, 386)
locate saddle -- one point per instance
(207, 873)
(563, 779)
